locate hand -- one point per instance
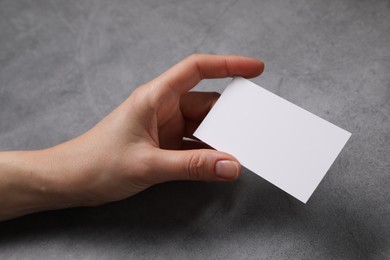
(141, 143)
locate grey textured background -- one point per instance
(66, 64)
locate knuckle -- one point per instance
(139, 90)
(195, 167)
(144, 96)
(138, 94)
(194, 56)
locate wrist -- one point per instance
(69, 172)
(23, 183)
(32, 181)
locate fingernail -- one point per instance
(227, 169)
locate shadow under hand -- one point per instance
(249, 215)
(162, 209)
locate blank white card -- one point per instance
(279, 141)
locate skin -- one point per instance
(137, 145)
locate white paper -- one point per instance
(279, 141)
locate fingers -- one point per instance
(187, 73)
(199, 165)
(195, 105)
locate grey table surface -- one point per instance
(65, 64)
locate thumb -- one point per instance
(199, 165)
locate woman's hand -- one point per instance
(137, 145)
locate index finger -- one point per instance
(186, 74)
